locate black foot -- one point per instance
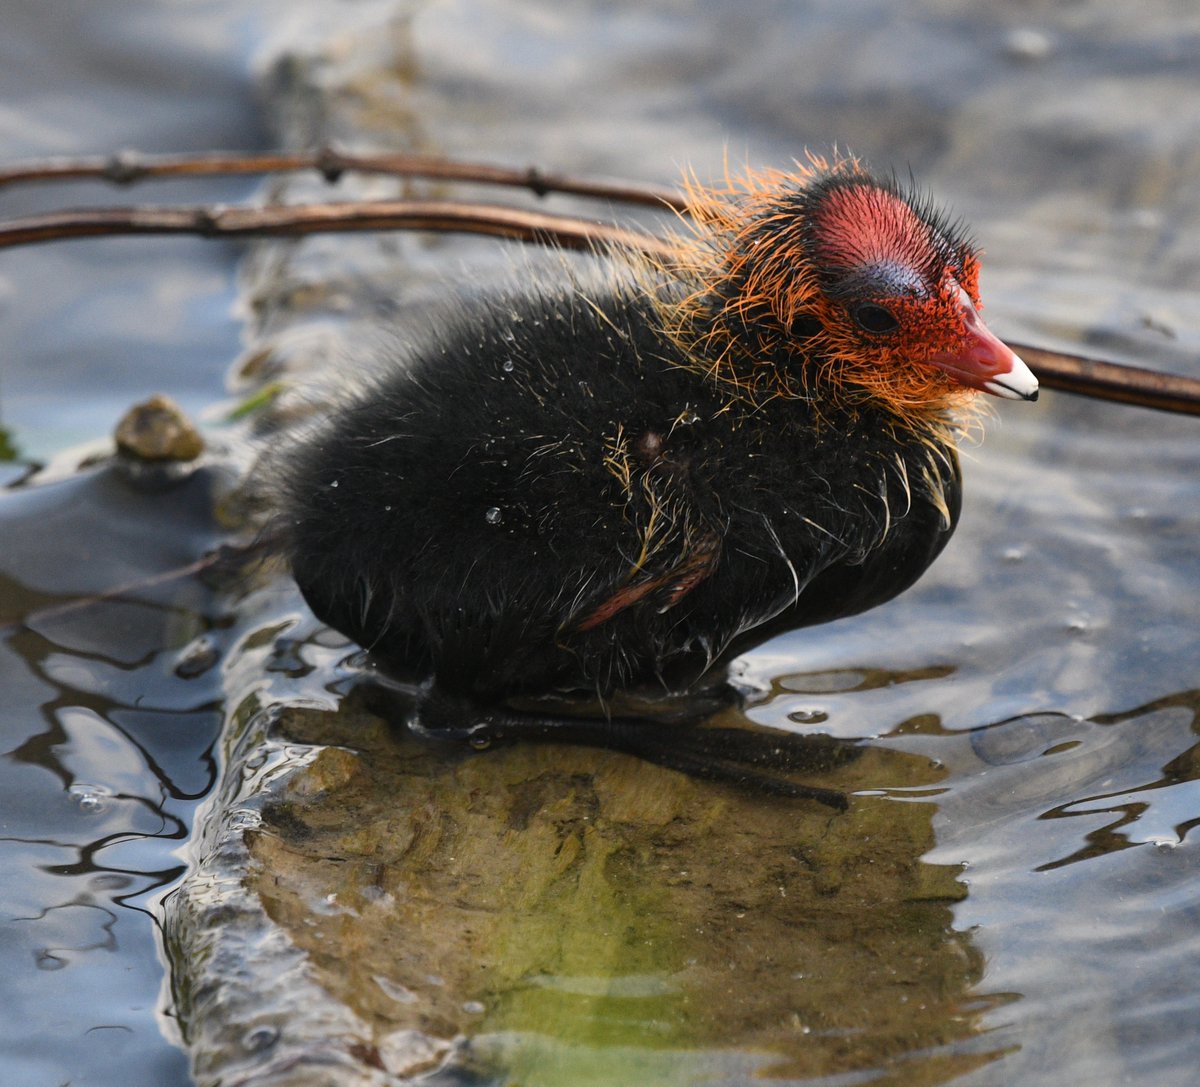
(743, 757)
(748, 759)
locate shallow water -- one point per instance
(107, 748)
(1047, 663)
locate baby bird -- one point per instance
(622, 476)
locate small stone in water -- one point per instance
(158, 430)
(401, 994)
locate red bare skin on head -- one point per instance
(861, 225)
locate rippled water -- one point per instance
(1047, 662)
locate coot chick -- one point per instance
(623, 475)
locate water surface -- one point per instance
(1046, 664)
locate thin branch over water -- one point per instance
(289, 220)
(1102, 380)
(127, 167)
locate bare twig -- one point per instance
(283, 220)
(127, 167)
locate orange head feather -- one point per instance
(830, 284)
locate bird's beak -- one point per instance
(983, 362)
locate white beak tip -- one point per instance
(1018, 384)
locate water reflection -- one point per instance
(1107, 770)
(582, 914)
(1080, 855)
(1143, 808)
(102, 771)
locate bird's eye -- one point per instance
(874, 318)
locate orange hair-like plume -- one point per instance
(756, 314)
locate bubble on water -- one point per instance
(333, 483)
(507, 366)
(808, 717)
(473, 1007)
(493, 515)
(1021, 739)
(90, 799)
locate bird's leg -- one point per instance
(748, 759)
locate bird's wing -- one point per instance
(663, 588)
